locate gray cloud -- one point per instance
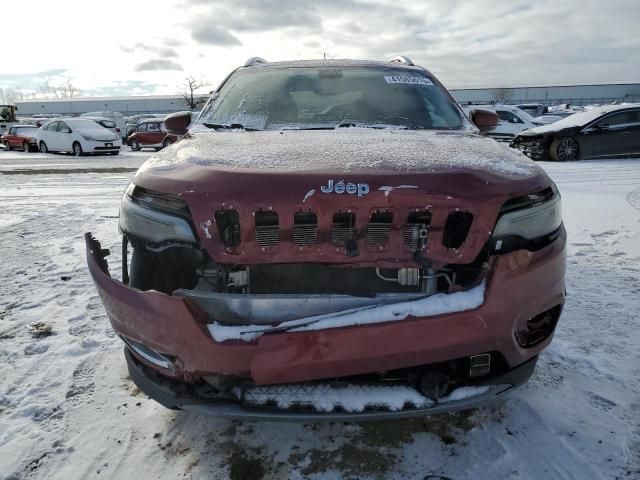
(157, 64)
(207, 33)
(158, 50)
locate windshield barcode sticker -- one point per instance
(409, 80)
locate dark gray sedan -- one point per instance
(609, 131)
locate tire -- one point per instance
(77, 149)
(135, 145)
(167, 142)
(43, 147)
(564, 149)
(7, 146)
(25, 147)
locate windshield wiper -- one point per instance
(230, 126)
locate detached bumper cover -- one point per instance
(166, 396)
(520, 285)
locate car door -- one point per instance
(630, 133)
(141, 133)
(11, 138)
(50, 135)
(154, 133)
(64, 138)
(609, 136)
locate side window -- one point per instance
(621, 118)
(63, 127)
(142, 127)
(153, 127)
(53, 126)
(508, 116)
(12, 131)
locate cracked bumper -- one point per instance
(520, 285)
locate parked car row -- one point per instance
(91, 133)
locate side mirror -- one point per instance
(485, 120)
(178, 123)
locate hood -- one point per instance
(352, 170)
(100, 134)
(347, 150)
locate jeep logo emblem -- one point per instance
(359, 189)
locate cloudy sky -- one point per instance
(135, 47)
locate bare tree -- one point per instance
(189, 88)
(8, 96)
(502, 95)
(67, 90)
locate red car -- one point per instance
(150, 133)
(334, 240)
(22, 137)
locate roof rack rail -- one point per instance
(253, 61)
(402, 59)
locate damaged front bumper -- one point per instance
(170, 326)
(174, 396)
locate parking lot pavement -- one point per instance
(68, 409)
(16, 162)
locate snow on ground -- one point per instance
(68, 409)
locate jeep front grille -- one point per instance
(305, 229)
(456, 229)
(379, 227)
(414, 232)
(342, 227)
(267, 229)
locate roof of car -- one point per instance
(335, 63)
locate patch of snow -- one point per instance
(327, 398)
(439, 304)
(461, 393)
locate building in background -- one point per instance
(547, 95)
(125, 105)
(551, 95)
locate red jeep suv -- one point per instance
(334, 239)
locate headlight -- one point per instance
(155, 217)
(526, 219)
(89, 138)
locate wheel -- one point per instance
(564, 149)
(43, 147)
(167, 142)
(7, 146)
(135, 145)
(25, 147)
(77, 149)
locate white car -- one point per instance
(77, 135)
(116, 117)
(106, 123)
(513, 120)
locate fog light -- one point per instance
(539, 327)
(148, 353)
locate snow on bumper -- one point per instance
(519, 286)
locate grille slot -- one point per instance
(379, 228)
(414, 232)
(305, 229)
(228, 222)
(267, 229)
(456, 229)
(342, 228)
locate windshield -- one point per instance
(107, 123)
(329, 97)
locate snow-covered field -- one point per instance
(68, 410)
